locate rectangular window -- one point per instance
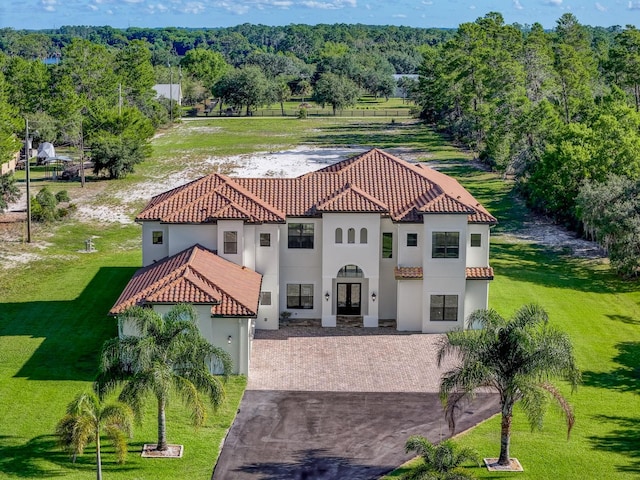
(301, 235)
(412, 239)
(265, 239)
(387, 245)
(157, 237)
(265, 298)
(299, 295)
(231, 242)
(444, 308)
(445, 245)
(476, 239)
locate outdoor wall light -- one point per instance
(326, 296)
(229, 338)
(374, 296)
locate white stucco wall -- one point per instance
(476, 298)
(182, 237)
(267, 262)
(409, 306)
(152, 253)
(232, 226)
(363, 255)
(410, 256)
(478, 256)
(302, 266)
(388, 286)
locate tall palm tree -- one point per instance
(87, 417)
(441, 461)
(517, 358)
(169, 355)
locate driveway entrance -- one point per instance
(337, 403)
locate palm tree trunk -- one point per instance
(162, 426)
(505, 438)
(98, 457)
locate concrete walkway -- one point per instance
(337, 403)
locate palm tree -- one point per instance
(84, 422)
(441, 462)
(168, 355)
(517, 358)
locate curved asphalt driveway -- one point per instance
(337, 404)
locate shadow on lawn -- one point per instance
(72, 331)
(28, 460)
(315, 463)
(626, 377)
(623, 439)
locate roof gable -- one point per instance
(374, 181)
(198, 276)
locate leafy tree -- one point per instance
(28, 84)
(204, 65)
(135, 71)
(87, 419)
(516, 358)
(9, 191)
(338, 91)
(625, 61)
(243, 87)
(610, 212)
(44, 206)
(441, 461)
(10, 123)
(168, 355)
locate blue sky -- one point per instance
(38, 14)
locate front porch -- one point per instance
(342, 321)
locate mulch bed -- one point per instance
(492, 465)
(173, 451)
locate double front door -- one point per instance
(349, 299)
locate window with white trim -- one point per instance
(300, 235)
(387, 245)
(412, 239)
(363, 235)
(265, 239)
(338, 235)
(157, 237)
(476, 240)
(444, 308)
(351, 235)
(299, 295)
(445, 245)
(265, 298)
(230, 242)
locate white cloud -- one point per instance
(426, 2)
(472, 7)
(600, 7)
(133, 1)
(633, 5)
(553, 3)
(193, 8)
(92, 7)
(335, 5)
(517, 5)
(399, 15)
(233, 7)
(49, 5)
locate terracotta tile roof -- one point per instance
(479, 273)
(408, 273)
(374, 181)
(210, 198)
(195, 275)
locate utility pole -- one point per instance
(26, 156)
(170, 92)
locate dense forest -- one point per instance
(555, 110)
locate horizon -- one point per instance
(122, 14)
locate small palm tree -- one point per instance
(517, 358)
(168, 355)
(441, 461)
(86, 419)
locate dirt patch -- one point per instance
(172, 451)
(492, 465)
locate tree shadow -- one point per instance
(622, 440)
(625, 378)
(316, 464)
(72, 332)
(28, 459)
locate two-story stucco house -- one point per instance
(373, 237)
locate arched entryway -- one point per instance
(349, 290)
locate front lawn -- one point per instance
(601, 313)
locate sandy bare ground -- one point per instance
(286, 163)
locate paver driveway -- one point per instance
(337, 404)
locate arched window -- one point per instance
(363, 235)
(350, 271)
(351, 235)
(338, 235)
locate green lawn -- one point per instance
(53, 318)
(601, 313)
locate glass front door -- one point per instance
(348, 299)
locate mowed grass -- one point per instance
(53, 319)
(601, 313)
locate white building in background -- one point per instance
(370, 238)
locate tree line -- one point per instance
(556, 110)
